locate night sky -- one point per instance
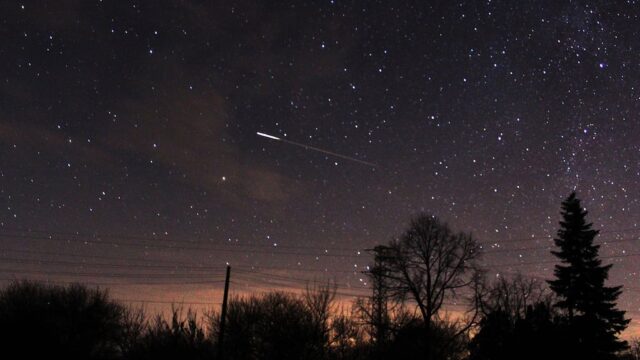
(129, 156)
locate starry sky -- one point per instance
(129, 156)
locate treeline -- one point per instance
(77, 322)
(416, 280)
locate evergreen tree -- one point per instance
(592, 319)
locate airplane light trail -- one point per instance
(309, 147)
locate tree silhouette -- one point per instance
(347, 337)
(533, 335)
(73, 322)
(413, 340)
(275, 325)
(429, 264)
(592, 318)
(634, 350)
(319, 302)
(517, 322)
(511, 296)
(182, 337)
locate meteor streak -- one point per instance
(268, 136)
(309, 147)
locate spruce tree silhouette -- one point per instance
(592, 319)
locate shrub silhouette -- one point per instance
(71, 322)
(347, 337)
(538, 333)
(413, 340)
(272, 326)
(182, 337)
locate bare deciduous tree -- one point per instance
(274, 325)
(512, 295)
(634, 349)
(319, 299)
(134, 325)
(347, 336)
(429, 264)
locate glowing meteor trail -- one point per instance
(309, 147)
(268, 136)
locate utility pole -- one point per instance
(223, 314)
(379, 298)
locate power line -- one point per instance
(338, 293)
(290, 286)
(107, 265)
(112, 275)
(242, 271)
(166, 302)
(547, 247)
(211, 246)
(175, 240)
(275, 278)
(249, 267)
(158, 276)
(550, 237)
(555, 261)
(253, 268)
(170, 263)
(173, 275)
(325, 252)
(275, 252)
(114, 284)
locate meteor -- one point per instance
(309, 147)
(268, 136)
